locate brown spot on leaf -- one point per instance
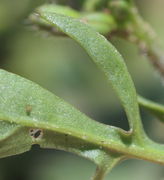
(28, 110)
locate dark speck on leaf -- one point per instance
(36, 133)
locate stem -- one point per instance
(108, 163)
(149, 151)
(137, 31)
(100, 174)
(154, 108)
(156, 57)
(146, 40)
(153, 152)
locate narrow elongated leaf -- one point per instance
(59, 9)
(106, 57)
(100, 21)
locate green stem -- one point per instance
(101, 171)
(149, 151)
(100, 174)
(154, 108)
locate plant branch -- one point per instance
(99, 175)
(139, 32)
(107, 164)
(154, 108)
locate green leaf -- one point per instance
(31, 115)
(59, 9)
(100, 21)
(13, 139)
(155, 108)
(107, 58)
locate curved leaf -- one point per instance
(100, 21)
(65, 10)
(107, 58)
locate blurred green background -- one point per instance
(61, 66)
